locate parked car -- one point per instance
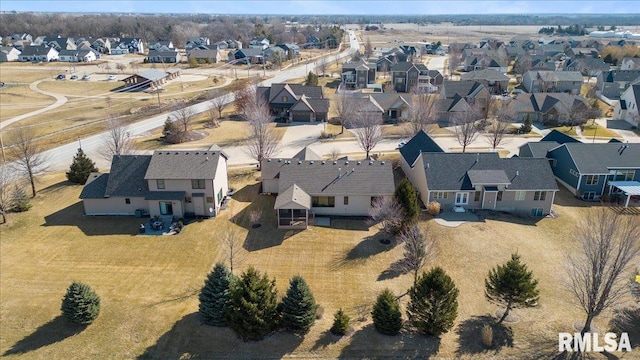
(74, 77)
(401, 144)
(111, 77)
(86, 77)
(61, 77)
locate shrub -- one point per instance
(340, 323)
(298, 307)
(387, 318)
(80, 305)
(319, 312)
(407, 197)
(487, 336)
(19, 201)
(433, 208)
(433, 307)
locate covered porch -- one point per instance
(628, 189)
(293, 207)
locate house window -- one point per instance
(593, 179)
(345, 200)
(476, 196)
(462, 198)
(537, 212)
(323, 201)
(220, 195)
(285, 99)
(197, 184)
(539, 195)
(622, 175)
(589, 195)
(520, 195)
(499, 196)
(127, 201)
(209, 199)
(374, 200)
(160, 183)
(439, 195)
(187, 199)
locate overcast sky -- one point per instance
(327, 7)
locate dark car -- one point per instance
(74, 77)
(61, 77)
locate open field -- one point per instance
(16, 100)
(149, 285)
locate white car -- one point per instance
(401, 144)
(111, 77)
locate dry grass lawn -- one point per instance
(591, 130)
(20, 99)
(149, 284)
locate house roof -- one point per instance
(403, 66)
(620, 75)
(309, 104)
(192, 164)
(464, 87)
(599, 158)
(126, 177)
(307, 154)
(296, 90)
(36, 50)
(559, 137)
(488, 177)
(450, 171)
(539, 149)
(151, 74)
(484, 74)
(391, 101)
(338, 177)
(543, 102)
(95, 186)
(293, 198)
(420, 142)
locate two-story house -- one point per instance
(295, 102)
(627, 107)
(611, 84)
(167, 183)
(357, 75)
(552, 81)
(406, 76)
(551, 109)
(493, 80)
(9, 53)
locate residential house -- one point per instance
(78, 55)
(259, 43)
(310, 188)
(56, 42)
(164, 56)
(161, 45)
(130, 46)
(483, 181)
(167, 183)
(247, 56)
(434, 49)
(233, 44)
(313, 42)
(38, 53)
(273, 53)
(292, 50)
(195, 42)
(150, 78)
(406, 76)
(270, 172)
(591, 170)
(384, 63)
(474, 92)
(552, 81)
(586, 66)
(9, 53)
(551, 109)
(450, 110)
(579, 52)
(630, 64)
(627, 107)
(392, 107)
(20, 41)
(357, 75)
(485, 62)
(410, 152)
(204, 54)
(493, 80)
(611, 84)
(102, 45)
(295, 102)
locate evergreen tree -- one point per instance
(340, 323)
(387, 318)
(298, 307)
(252, 311)
(19, 200)
(81, 304)
(311, 80)
(214, 296)
(408, 197)
(526, 126)
(80, 168)
(434, 303)
(511, 285)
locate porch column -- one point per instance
(278, 217)
(626, 203)
(306, 215)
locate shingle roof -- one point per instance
(402, 66)
(449, 171)
(620, 75)
(126, 177)
(183, 164)
(357, 178)
(152, 74)
(488, 177)
(297, 90)
(539, 149)
(485, 74)
(421, 142)
(559, 137)
(599, 158)
(95, 186)
(293, 195)
(464, 88)
(307, 154)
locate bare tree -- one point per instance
(263, 140)
(117, 139)
(419, 248)
(607, 243)
(343, 106)
(183, 116)
(322, 67)
(387, 212)
(523, 64)
(466, 130)
(243, 97)
(499, 127)
(421, 113)
(368, 48)
(455, 58)
(6, 179)
(30, 161)
(232, 242)
(367, 127)
(220, 100)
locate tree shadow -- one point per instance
(326, 339)
(370, 246)
(248, 193)
(627, 320)
(73, 215)
(470, 338)
(393, 271)
(189, 338)
(367, 343)
(50, 333)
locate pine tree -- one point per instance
(434, 303)
(20, 202)
(81, 304)
(340, 323)
(387, 318)
(214, 296)
(511, 285)
(298, 307)
(311, 80)
(408, 197)
(80, 168)
(252, 311)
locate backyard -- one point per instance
(149, 284)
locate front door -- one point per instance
(198, 205)
(166, 208)
(489, 199)
(462, 198)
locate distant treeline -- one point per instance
(573, 30)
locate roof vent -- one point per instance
(517, 173)
(323, 162)
(382, 163)
(370, 162)
(299, 162)
(268, 160)
(279, 160)
(346, 162)
(427, 165)
(353, 169)
(197, 153)
(339, 172)
(335, 162)
(358, 162)
(207, 158)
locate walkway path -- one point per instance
(60, 100)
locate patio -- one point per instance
(160, 227)
(455, 219)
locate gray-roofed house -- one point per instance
(486, 181)
(406, 75)
(295, 102)
(629, 63)
(164, 55)
(587, 170)
(549, 108)
(357, 75)
(308, 188)
(552, 81)
(38, 53)
(78, 55)
(410, 152)
(206, 54)
(9, 53)
(611, 84)
(627, 107)
(493, 80)
(586, 66)
(150, 78)
(167, 183)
